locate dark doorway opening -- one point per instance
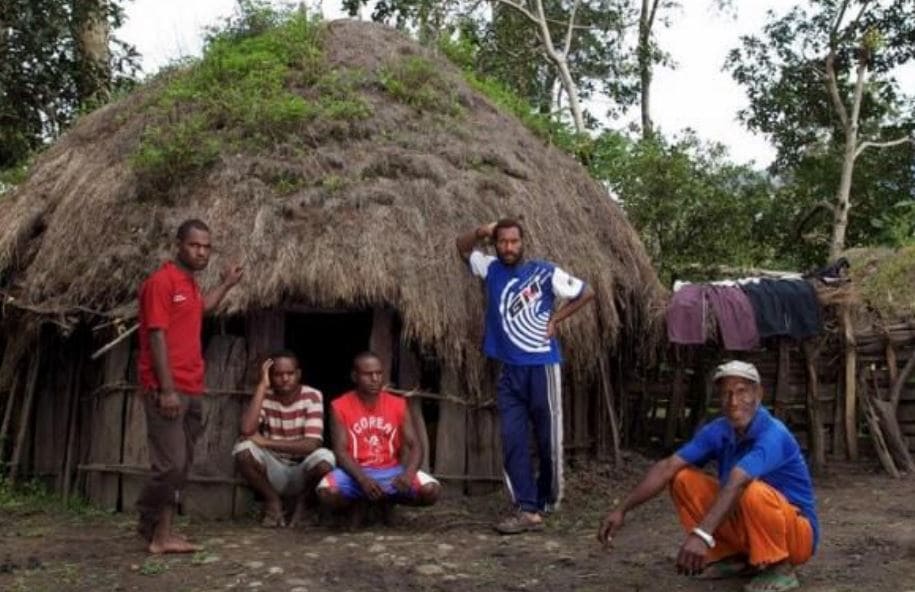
(326, 344)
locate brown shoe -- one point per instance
(520, 522)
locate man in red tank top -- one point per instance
(370, 427)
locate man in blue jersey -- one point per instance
(759, 516)
(521, 320)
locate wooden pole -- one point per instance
(782, 378)
(675, 404)
(814, 416)
(611, 412)
(873, 425)
(25, 415)
(851, 383)
(7, 417)
(72, 427)
(838, 419)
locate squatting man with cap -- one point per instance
(758, 518)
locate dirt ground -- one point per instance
(868, 543)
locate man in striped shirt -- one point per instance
(280, 455)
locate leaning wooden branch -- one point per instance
(110, 345)
(868, 144)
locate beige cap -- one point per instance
(739, 369)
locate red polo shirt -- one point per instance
(171, 301)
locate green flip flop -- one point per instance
(773, 580)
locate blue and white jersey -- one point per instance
(519, 304)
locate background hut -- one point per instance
(344, 214)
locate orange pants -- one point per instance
(764, 526)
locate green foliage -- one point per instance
(42, 71)
(14, 175)
(504, 45)
(33, 497)
(244, 94)
(460, 52)
(693, 208)
(417, 82)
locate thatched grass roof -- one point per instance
(885, 282)
(365, 211)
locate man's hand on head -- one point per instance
(691, 558)
(486, 230)
(265, 372)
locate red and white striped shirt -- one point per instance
(302, 418)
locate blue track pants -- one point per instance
(531, 395)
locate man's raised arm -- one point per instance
(467, 241)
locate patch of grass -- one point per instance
(333, 183)
(256, 85)
(201, 557)
(891, 288)
(34, 497)
(153, 567)
(419, 83)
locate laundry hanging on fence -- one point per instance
(784, 308)
(686, 315)
(736, 317)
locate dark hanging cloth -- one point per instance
(736, 317)
(784, 308)
(686, 315)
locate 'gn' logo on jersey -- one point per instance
(524, 298)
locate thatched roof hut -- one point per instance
(351, 207)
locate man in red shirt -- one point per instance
(171, 377)
(370, 426)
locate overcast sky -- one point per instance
(696, 94)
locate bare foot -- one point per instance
(173, 544)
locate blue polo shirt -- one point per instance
(769, 452)
(519, 304)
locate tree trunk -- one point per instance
(851, 383)
(572, 93)
(646, 22)
(91, 34)
(850, 127)
(559, 58)
(815, 441)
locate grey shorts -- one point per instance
(286, 479)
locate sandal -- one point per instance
(773, 580)
(519, 523)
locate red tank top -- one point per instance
(373, 433)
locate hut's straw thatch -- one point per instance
(77, 233)
(885, 281)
